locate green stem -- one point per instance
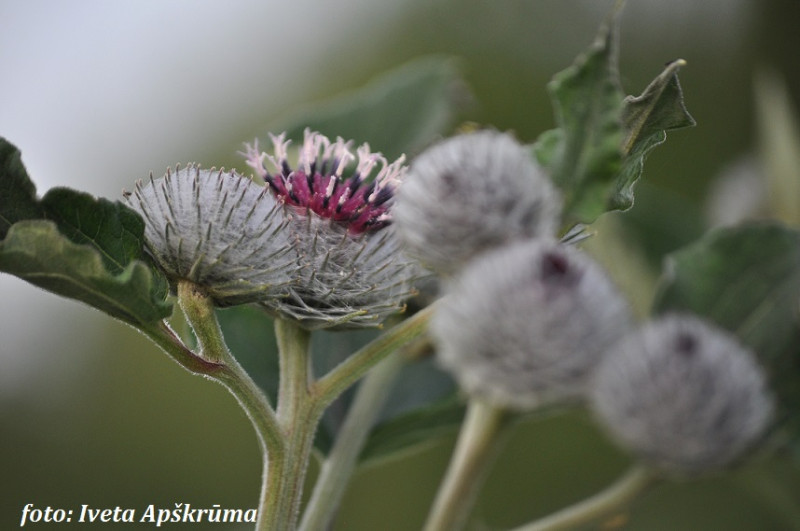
(198, 308)
(166, 338)
(216, 362)
(478, 442)
(611, 499)
(341, 461)
(354, 367)
(298, 415)
(286, 436)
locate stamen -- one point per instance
(318, 184)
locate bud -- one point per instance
(471, 193)
(525, 324)
(350, 270)
(219, 230)
(683, 395)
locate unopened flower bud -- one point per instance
(683, 395)
(219, 230)
(470, 193)
(350, 268)
(525, 324)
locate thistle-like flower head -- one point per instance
(350, 269)
(218, 229)
(318, 183)
(683, 394)
(526, 324)
(471, 193)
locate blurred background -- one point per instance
(97, 94)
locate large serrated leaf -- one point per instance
(645, 120)
(77, 246)
(35, 250)
(747, 280)
(399, 112)
(583, 154)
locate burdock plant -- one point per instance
(519, 318)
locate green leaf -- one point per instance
(77, 246)
(596, 154)
(112, 228)
(646, 119)
(583, 154)
(17, 192)
(399, 112)
(35, 250)
(747, 280)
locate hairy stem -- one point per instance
(613, 498)
(478, 442)
(298, 415)
(338, 467)
(216, 362)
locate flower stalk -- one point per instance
(613, 498)
(354, 367)
(341, 461)
(298, 416)
(478, 442)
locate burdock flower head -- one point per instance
(350, 269)
(526, 324)
(472, 193)
(684, 395)
(217, 229)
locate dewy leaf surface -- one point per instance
(746, 279)
(399, 112)
(77, 246)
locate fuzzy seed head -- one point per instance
(683, 395)
(525, 324)
(218, 229)
(470, 193)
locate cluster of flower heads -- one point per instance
(315, 243)
(528, 320)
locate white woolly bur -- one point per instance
(526, 324)
(217, 229)
(683, 395)
(470, 193)
(343, 280)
